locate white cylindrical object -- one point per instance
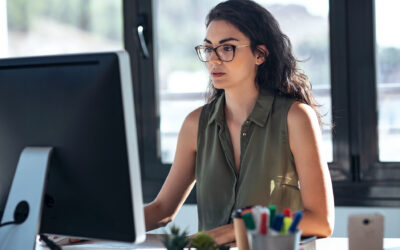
(273, 242)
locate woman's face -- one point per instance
(241, 71)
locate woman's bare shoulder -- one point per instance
(301, 114)
(192, 119)
(190, 127)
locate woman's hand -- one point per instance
(222, 235)
(61, 241)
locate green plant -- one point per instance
(178, 240)
(203, 241)
(175, 240)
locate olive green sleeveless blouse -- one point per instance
(267, 174)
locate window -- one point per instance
(307, 25)
(388, 79)
(182, 80)
(338, 50)
(351, 56)
(55, 26)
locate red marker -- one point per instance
(263, 223)
(287, 212)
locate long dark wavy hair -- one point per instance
(279, 71)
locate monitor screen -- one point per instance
(82, 106)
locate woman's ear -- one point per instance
(261, 54)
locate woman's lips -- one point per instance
(217, 74)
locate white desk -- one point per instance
(342, 244)
(153, 242)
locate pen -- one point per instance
(246, 210)
(278, 221)
(237, 213)
(263, 223)
(256, 211)
(287, 212)
(249, 221)
(296, 220)
(287, 221)
(272, 211)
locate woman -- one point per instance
(258, 140)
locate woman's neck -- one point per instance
(239, 103)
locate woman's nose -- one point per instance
(214, 59)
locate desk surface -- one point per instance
(153, 242)
(341, 243)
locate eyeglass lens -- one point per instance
(224, 52)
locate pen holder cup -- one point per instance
(290, 241)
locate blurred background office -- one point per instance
(349, 49)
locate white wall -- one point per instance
(187, 219)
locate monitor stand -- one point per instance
(25, 200)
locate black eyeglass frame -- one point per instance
(234, 47)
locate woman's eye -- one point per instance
(228, 48)
(208, 49)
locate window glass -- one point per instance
(183, 79)
(56, 27)
(388, 78)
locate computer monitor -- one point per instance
(81, 106)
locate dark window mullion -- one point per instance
(353, 108)
(340, 168)
(385, 171)
(131, 46)
(361, 41)
(363, 86)
(139, 12)
(154, 171)
(378, 182)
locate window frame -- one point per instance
(372, 183)
(153, 171)
(355, 163)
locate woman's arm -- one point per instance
(181, 177)
(223, 234)
(315, 182)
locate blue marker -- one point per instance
(278, 222)
(296, 220)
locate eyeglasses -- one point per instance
(224, 52)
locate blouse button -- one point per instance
(244, 134)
